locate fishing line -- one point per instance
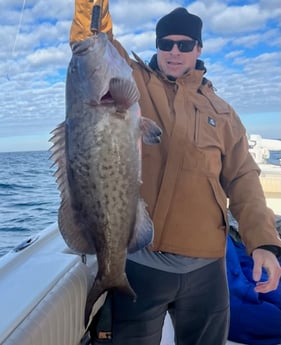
(17, 33)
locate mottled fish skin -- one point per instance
(97, 151)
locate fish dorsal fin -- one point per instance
(67, 223)
(124, 93)
(58, 154)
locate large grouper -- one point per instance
(97, 150)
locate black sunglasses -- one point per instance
(184, 46)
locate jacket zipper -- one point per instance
(196, 126)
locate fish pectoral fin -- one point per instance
(151, 132)
(143, 230)
(124, 92)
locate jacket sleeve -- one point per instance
(240, 180)
(80, 28)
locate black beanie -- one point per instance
(180, 22)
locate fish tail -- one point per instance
(95, 292)
(100, 286)
(125, 287)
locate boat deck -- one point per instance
(168, 333)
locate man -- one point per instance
(202, 160)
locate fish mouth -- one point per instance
(107, 98)
(81, 47)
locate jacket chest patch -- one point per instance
(211, 121)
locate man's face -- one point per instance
(175, 63)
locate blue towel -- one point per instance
(255, 318)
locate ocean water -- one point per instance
(29, 197)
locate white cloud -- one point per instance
(51, 56)
(239, 19)
(234, 54)
(215, 44)
(221, 18)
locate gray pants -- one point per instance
(198, 303)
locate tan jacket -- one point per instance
(202, 160)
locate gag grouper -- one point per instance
(97, 150)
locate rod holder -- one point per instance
(96, 19)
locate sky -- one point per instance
(241, 51)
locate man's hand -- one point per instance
(265, 259)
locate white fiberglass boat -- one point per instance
(270, 176)
(43, 285)
(43, 293)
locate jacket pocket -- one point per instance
(206, 162)
(220, 197)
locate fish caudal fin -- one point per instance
(143, 231)
(151, 132)
(102, 285)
